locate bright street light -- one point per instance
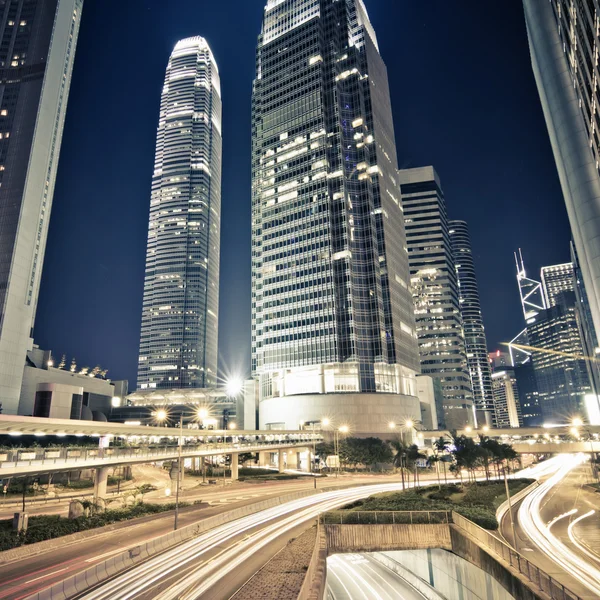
(344, 429)
(486, 428)
(325, 422)
(232, 425)
(392, 425)
(161, 415)
(409, 424)
(234, 386)
(577, 422)
(202, 413)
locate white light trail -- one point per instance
(539, 533)
(574, 540)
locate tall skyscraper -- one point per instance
(506, 399)
(36, 61)
(178, 346)
(557, 279)
(557, 357)
(564, 42)
(435, 291)
(333, 332)
(470, 309)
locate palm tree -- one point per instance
(434, 459)
(442, 446)
(400, 451)
(414, 454)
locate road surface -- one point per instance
(21, 578)
(543, 523)
(361, 577)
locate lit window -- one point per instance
(3, 112)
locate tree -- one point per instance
(400, 449)
(441, 447)
(413, 455)
(466, 453)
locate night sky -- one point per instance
(464, 100)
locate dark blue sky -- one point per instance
(464, 100)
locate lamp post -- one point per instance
(161, 416)
(343, 430)
(576, 424)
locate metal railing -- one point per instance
(535, 575)
(386, 517)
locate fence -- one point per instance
(533, 574)
(387, 517)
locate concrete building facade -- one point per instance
(564, 41)
(436, 296)
(472, 318)
(333, 331)
(37, 51)
(178, 344)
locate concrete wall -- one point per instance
(366, 414)
(467, 548)
(373, 538)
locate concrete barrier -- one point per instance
(503, 508)
(313, 587)
(126, 560)
(373, 538)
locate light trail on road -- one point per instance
(203, 575)
(359, 577)
(574, 540)
(539, 533)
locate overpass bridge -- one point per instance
(535, 440)
(147, 444)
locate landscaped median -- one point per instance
(476, 501)
(47, 527)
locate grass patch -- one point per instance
(476, 501)
(47, 527)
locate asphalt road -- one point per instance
(564, 497)
(360, 577)
(19, 579)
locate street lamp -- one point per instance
(576, 423)
(234, 386)
(232, 426)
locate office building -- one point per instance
(333, 331)
(557, 357)
(434, 285)
(66, 391)
(178, 345)
(557, 279)
(564, 44)
(506, 399)
(589, 341)
(36, 61)
(474, 331)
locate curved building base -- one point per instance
(364, 414)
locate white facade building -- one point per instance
(37, 51)
(178, 345)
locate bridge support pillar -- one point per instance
(280, 461)
(264, 459)
(292, 458)
(100, 482)
(235, 463)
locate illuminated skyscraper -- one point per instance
(564, 42)
(557, 279)
(178, 346)
(333, 331)
(37, 51)
(434, 284)
(470, 310)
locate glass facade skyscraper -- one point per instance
(37, 51)
(564, 41)
(178, 346)
(557, 279)
(333, 332)
(470, 310)
(434, 284)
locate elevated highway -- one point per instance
(146, 444)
